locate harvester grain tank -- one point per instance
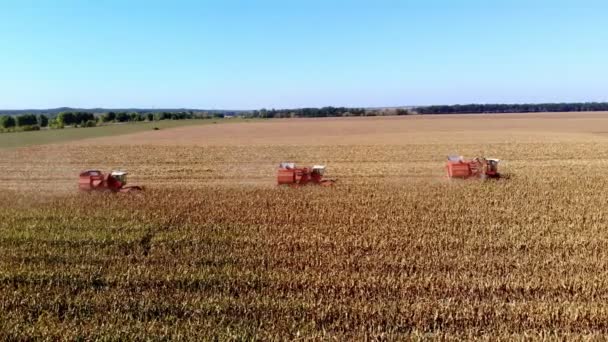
(115, 181)
(290, 174)
(480, 167)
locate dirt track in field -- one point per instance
(550, 127)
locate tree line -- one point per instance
(32, 122)
(324, 112)
(26, 122)
(514, 108)
(441, 109)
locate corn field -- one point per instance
(214, 250)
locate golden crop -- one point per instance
(213, 249)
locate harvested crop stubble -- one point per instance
(509, 257)
(215, 250)
(52, 168)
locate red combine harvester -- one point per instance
(479, 167)
(115, 181)
(291, 175)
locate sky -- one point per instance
(253, 54)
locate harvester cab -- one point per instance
(492, 167)
(480, 167)
(318, 169)
(119, 176)
(290, 174)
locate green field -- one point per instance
(50, 136)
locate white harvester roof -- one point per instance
(287, 165)
(455, 158)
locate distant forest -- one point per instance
(513, 108)
(35, 122)
(445, 109)
(324, 112)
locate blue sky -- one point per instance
(229, 54)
